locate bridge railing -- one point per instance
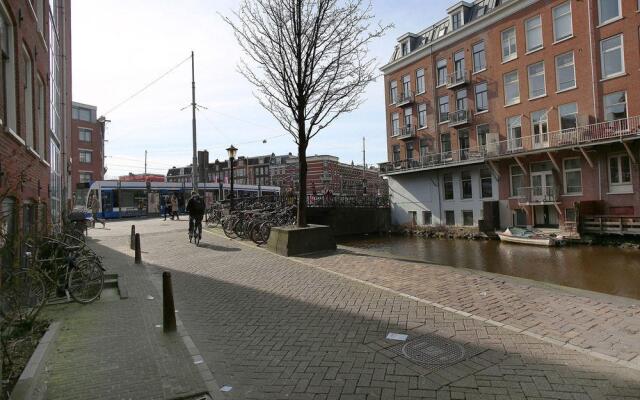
(313, 201)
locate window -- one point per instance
(396, 152)
(458, 65)
(449, 218)
(409, 151)
(486, 183)
(40, 15)
(481, 132)
(568, 116)
(85, 156)
(41, 110)
(619, 171)
(406, 84)
(514, 133)
(405, 48)
(572, 176)
(82, 114)
(447, 179)
(413, 217)
(395, 124)
(537, 87)
(7, 73)
(467, 217)
(533, 27)
(609, 10)
(615, 106)
(27, 95)
(482, 98)
(463, 143)
(443, 108)
(424, 149)
(562, 24)
(456, 21)
(479, 57)
(422, 115)
(408, 117)
(426, 218)
(509, 51)
(420, 81)
(85, 135)
(441, 67)
(85, 177)
(393, 92)
(517, 179)
(461, 100)
(612, 57)
(565, 72)
(540, 128)
(445, 143)
(570, 215)
(465, 183)
(511, 88)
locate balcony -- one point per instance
(405, 98)
(538, 195)
(457, 78)
(406, 132)
(434, 161)
(459, 118)
(587, 135)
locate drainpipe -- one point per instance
(593, 71)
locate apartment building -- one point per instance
(87, 146)
(522, 109)
(35, 41)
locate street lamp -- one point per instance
(232, 155)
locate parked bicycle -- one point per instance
(256, 224)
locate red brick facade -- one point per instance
(592, 143)
(87, 138)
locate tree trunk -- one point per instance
(302, 177)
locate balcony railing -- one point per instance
(581, 135)
(538, 195)
(406, 132)
(460, 117)
(405, 98)
(457, 78)
(435, 160)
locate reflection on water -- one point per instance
(601, 269)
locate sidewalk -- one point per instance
(113, 349)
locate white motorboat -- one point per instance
(526, 236)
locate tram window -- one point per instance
(116, 198)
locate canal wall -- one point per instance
(351, 220)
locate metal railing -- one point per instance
(460, 117)
(406, 132)
(588, 134)
(457, 78)
(538, 195)
(405, 98)
(346, 201)
(435, 160)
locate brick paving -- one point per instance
(277, 328)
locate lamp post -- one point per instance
(232, 155)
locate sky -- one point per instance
(120, 46)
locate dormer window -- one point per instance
(456, 20)
(405, 48)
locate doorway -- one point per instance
(545, 216)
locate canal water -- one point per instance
(601, 269)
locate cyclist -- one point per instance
(195, 208)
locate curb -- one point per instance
(25, 388)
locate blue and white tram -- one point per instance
(129, 199)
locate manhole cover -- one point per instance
(433, 351)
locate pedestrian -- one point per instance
(164, 205)
(174, 207)
(95, 209)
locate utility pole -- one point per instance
(194, 165)
(146, 182)
(145, 165)
(364, 168)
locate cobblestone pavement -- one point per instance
(112, 349)
(277, 328)
(605, 324)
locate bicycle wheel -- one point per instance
(23, 295)
(85, 282)
(227, 227)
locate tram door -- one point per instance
(107, 202)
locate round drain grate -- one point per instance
(433, 351)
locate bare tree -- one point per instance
(309, 61)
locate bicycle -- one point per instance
(195, 230)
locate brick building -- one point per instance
(521, 106)
(87, 144)
(141, 178)
(35, 109)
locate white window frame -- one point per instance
(626, 103)
(512, 192)
(512, 141)
(475, 89)
(537, 28)
(516, 82)
(10, 93)
(544, 80)
(560, 114)
(612, 19)
(27, 92)
(41, 110)
(566, 170)
(473, 57)
(420, 81)
(620, 187)
(573, 68)
(602, 56)
(512, 55)
(556, 18)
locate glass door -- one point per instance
(540, 129)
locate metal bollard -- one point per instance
(138, 252)
(132, 242)
(168, 308)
